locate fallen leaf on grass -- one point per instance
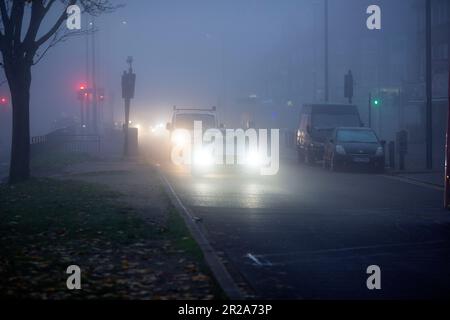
(200, 277)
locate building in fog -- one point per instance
(414, 96)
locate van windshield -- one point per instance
(323, 121)
(356, 136)
(186, 120)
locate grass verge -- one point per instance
(47, 225)
(58, 160)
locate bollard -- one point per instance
(392, 154)
(402, 148)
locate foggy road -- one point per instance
(193, 151)
(308, 233)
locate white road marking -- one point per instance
(381, 246)
(258, 262)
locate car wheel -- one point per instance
(333, 165)
(300, 156)
(378, 170)
(326, 163)
(309, 158)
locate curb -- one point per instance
(218, 269)
(421, 181)
(401, 174)
(414, 181)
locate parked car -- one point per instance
(349, 147)
(316, 123)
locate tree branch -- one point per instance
(17, 13)
(56, 26)
(37, 14)
(5, 17)
(57, 39)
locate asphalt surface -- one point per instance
(308, 233)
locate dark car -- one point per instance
(349, 147)
(316, 123)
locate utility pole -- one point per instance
(447, 151)
(326, 93)
(87, 107)
(94, 83)
(128, 88)
(429, 93)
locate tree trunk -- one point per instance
(19, 79)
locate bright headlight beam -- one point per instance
(253, 159)
(180, 138)
(203, 158)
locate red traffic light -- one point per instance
(3, 100)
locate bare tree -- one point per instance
(23, 44)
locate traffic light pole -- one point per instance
(82, 112)
(126, 126)
(370, 110)
(81, 96)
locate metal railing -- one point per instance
(54, 142)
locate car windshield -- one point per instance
(329, 121)
(186, 120)
(357, 136)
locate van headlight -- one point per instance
(379, 151)
(203, 157)
(340, 149)
(181, 138)
(254, 159)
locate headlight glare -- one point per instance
(181, 138)
(254, 159)
(340, 149)
(203, 157)
(379, 151)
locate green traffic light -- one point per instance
(376, 102)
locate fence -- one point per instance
(54, 142)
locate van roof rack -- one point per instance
(212, 109)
